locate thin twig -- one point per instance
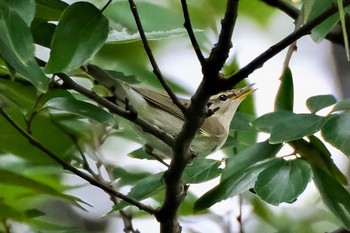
(285, 7)
(334, 36)
(221, 49)
(190, 32)
(292, 48)
(29, 119)
(105, 6)
(258, 62)
(151, 58)
(73, 169)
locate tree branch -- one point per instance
(335, 36)
(258, 62)
(221, 49)
(151, 58)
(73, 169)
(189, 28)
(283, 6)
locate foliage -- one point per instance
(52, 126)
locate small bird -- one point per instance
(158, 109)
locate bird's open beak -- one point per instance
(245, 91)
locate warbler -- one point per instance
(158, 109)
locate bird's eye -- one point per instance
(223, 98)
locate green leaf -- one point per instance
(326, 158)
(79, 35)
(155, 17)
(287, 126)
(296, 126)
(42, 32)
(343, 27)
(143, 189)
(24, 8)
(82, 109)
(8, 212)
(121, 37)
(334, 195)
(268, 121)
(283, 181)
(316, 103)
(201, 170)
(285, 95)
(250, 156)
(49, 10)
(336, 131)
(11, 178)
(342, 105)
(239, 174)
(17, 48)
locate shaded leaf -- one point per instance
(11, 178)
(343, 27)
(283, 181)
(334, 195)
(316, 103)
(326, 157)
(287, 126)
(239, 174)
(296, 126)
(24, 8)
(336, 131)
(201, 169)
(81, 108)
(268, 121)
(143, 189)
(17, 48)
(285, 96)
(342, 105)
(123, 36)
(49, 10)
(8, 212)
(79, 35)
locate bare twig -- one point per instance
(258, 62)
(151, 58)
(292, 48)
(221, 49)
(188, 27)
(335, 36)
(105, 6)
(73, 169)
(284, 7)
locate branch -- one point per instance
(283, 6)
(73, 169)
(258, 62)
(151, 58)
(113, 108)
(335, 36)
(221, 49)
(189, 28)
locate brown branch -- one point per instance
(221, 49)
(335, 36)
(151, 58)
(258, 62)
(189, 28)
(73, 169)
